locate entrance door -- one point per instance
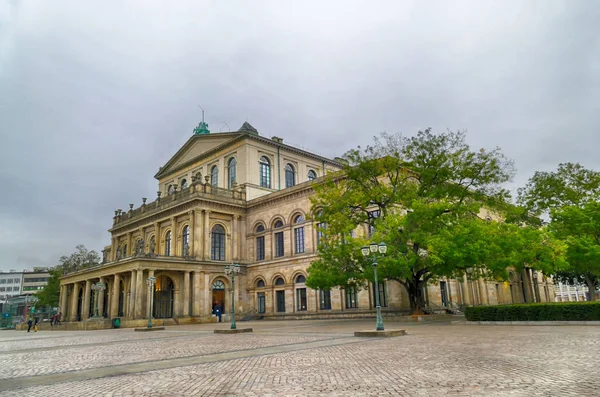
(280, 301)
(262, 307)
(444, 292)
(218, 297)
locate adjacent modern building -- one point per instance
(573, 293)
(238, 197)
(10, 284)
(35, 281)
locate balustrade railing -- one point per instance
(195, 190)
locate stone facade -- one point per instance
(238, 197)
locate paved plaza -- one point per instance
(304, 358)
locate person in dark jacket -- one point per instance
(29, 324)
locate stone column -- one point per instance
(206, 235)
(200, 236)
(486, 291)
(174, 246)
(74, 302)
(157, 238)
(114, 309)
(150, 274)
(467, 299)
(101, 298)
(113, 251)
(196, 293)
(526, 280)
(207, 301)
(186, 294)
(139, 295)
(132, 295)
(63, 299)
(85, 310)
(192, 224)
(234, 238)
(129, 247)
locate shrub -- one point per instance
(565, 311)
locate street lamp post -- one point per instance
(373, 248)
(150, 281)
(97, 287)
(231, 271)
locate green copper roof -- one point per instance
(201, 129)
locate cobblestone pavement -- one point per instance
(306, 358)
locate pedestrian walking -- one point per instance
(29, 324)
(58, 317)
(35, 327)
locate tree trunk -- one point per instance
(415, 294)
(591, 283)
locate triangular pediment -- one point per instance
(195, 148)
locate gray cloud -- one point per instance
(96, 96)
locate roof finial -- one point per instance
(202, 126)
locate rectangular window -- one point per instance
(2, 289)
(372, 216)
(301, 299)
(3, 281)
(260, 248)
(321, 227)
(280, 296)
(279, 244)
(351, 298)
(382, 294)
(325, 300)
(299, 240)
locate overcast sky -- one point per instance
(95, 96)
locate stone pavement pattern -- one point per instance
(305, 358)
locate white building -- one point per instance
(571, 293)
(10, 284)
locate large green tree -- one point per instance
(80, 259)
(430, 191)
(568, 197)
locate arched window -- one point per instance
(183, 183)
(217, 252)
(279, 281)
(218, 285)
(185, 241)
(290, 175)
(279, 247)
(171, 189)
(260, 244)
(168, 243)
(265, 172)
(260, 284)
(312, 175)
(231, 172)
(299, 235)
(301, 299)
(125, 250)
(214, 176)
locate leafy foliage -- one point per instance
(80, 259)
(570, 197)
(571, 184)
(568, 311)
(430, 190)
